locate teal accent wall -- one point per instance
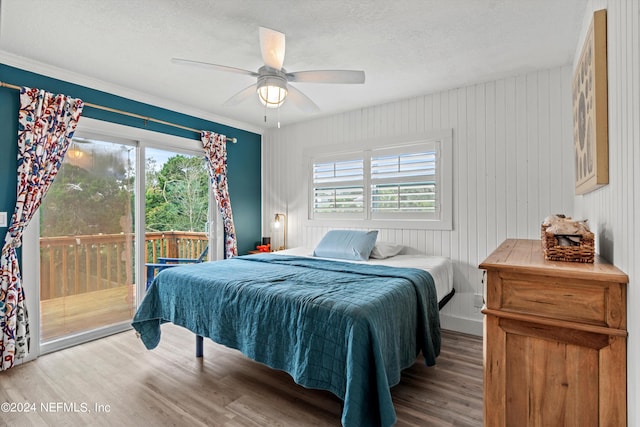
(243, 158)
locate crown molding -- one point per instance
(31, 65)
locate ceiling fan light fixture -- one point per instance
(74, 152)
(273, 80)
(272, 90)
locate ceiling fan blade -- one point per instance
(272, 45)
(301, 100)
(214, 66)
(243, 95)
(327, 76)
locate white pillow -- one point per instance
(384, 250)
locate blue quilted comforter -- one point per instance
(343, 327)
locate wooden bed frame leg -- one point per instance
(199, 346)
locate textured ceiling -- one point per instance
(405, 47)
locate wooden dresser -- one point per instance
(555, 351)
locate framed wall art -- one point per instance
(590, 128)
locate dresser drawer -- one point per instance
(595, 303)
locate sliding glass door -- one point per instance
(87, 240)
(123, 200)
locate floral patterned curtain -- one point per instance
(46, 123)
(215, 147)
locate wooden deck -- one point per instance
(84, 279)
(76, 313)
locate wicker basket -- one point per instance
(582, 252)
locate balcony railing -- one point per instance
(71, 265)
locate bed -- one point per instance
(349, 327)
(440, 268)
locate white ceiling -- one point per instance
(405, 47)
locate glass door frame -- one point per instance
(30, 267)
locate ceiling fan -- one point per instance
(273, 81)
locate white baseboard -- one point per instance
(458, 324)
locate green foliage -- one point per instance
(98, 197)
(177, 195)
(89, 200)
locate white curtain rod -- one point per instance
(126, 113)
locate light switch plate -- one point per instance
(3, 219)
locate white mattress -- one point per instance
(440, 268)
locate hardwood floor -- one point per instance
(116, 381)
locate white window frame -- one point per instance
(441, 141)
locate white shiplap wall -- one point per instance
(614, 210)
(512, 167)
